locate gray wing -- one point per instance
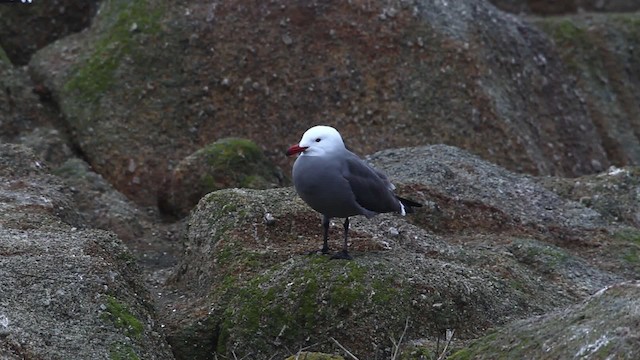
(371, 188)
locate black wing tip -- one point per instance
(408, 204)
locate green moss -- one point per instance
(254, 307)
(130, 18)
(348, 287)
(567, 30)
(308, 302)
(122, 318)
(209, 182)
(3, 57)
(545, 258)
(237, 259)
(575, 43)
(251, 181)
(630, 235)
(464, 354)
(119, 351)
(631, 256)
(127, 257)
(289, 309)
(386, 290)
(224, 334)
(229, 152)
(631, 240)
(235, 162)
(225, 255)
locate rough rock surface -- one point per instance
(26, 28)
(600, 52)
(226, 163)
(578, 332)
(559, 7)
(20, 109)
(304, 355)
(387, 74)
(101, 205)
(131, 104)
(615, 194)
(65, 291)
(493, 247)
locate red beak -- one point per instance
(296, 149)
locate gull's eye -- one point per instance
(318, 140)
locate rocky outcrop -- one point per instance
(128, 116)
(21, 112)
(226, 163)
(580, 331)
(546, 7)
(614, 193)
(27, 27)
(386, 74)
(492, 247)
(599, 51)
(67, 291)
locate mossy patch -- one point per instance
(292, 301)
(463, 354)
(120, 351)
(544, 257)
(628, 235)
(122, 318)
(225, 163)
(567, 30)
(630, 239)
(235, 162)
(576, 44)
(117, 40)
(417, 353)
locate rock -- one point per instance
(601, 327)
(67, 291)
(545, 7)
(21, 111)
(387, 75)
(474, 196)
(154, 243)
(614, 194)
(49, 144)
(100, 204)
(223, 164)
(512, 249)
(304, 355)
(29, 27)
(28, 118)
(598, 51)
(28, 184)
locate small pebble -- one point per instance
(269, 219)
(393, 232)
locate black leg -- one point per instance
(346, 234)
(325, 227)
(344, 254)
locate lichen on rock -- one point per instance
(225, 163)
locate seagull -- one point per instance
(337, 183)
